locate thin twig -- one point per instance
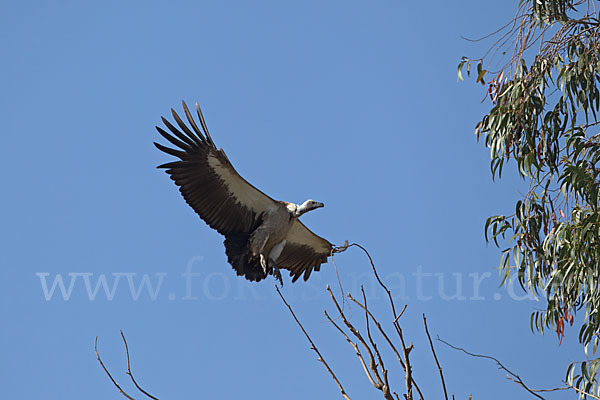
(384, 372)
(381, 330)
(516, 377)
(405, 349)
(346, 246)
(372, 363)
(556, 389)
(388, 340)
(391, 299)
(406, 353)
(355, 347)
(108, 373)
(333, 251)
(582, 392)
(130, 373)
(435, 357)
(314, 347)
(401, 313)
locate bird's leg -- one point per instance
(273, 256)
(258, 241)
(263, 263)
(276, 272)
(277, 275)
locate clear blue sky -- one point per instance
(355, 104)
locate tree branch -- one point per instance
(372, 363)
(356, 349)
(108, 373)
(582, 392)
(435, 358)
(314, 347)
(129, 370)
(516, 377)
(384, 372)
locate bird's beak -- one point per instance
(319, 205)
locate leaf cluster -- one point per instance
(544, 105)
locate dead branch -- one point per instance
(381, 330)
(355, 346)
(128, 371)
(384, 372)
(108, 373)
(405, 349)
(373, 366)
(435, 358)
(406, 354)
(383, 333)
(375, 369)
(336, 250)
(391, 299)
(387, 339)
(314, 347)
(515, 377)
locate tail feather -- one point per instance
(238, 255)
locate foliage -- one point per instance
(544, 102)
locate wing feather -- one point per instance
(207, 180)
(203, 123)
(192, 140)
(182, 125)
(173, 140)
(304, 251)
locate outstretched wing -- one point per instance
(303, 251)
(207, 180)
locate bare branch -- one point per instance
(335, 250)
(405, 349)
(516, 377)
(387, 339)
(356, 349)
(129, 370)
(556, 389)
(582, 392)
(406, 354)
(393, 306)
(314, 347)
(384, 372)
(372, 363)
(401, 313)
(435, 358)
(108, 373)
(374, 367)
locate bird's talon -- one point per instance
(277, 275)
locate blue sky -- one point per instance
(355, 104)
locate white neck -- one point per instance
(301, 209)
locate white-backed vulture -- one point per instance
(262, 235)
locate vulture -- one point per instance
(262, 235)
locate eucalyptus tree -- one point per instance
(541, 77)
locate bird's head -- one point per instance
(307, 206)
